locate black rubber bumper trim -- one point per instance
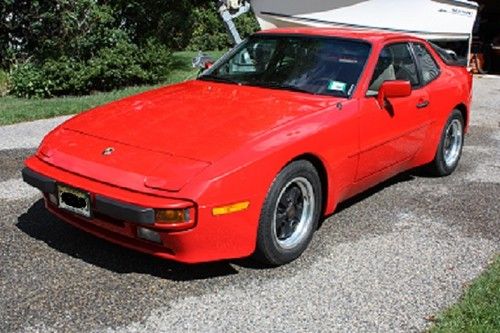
(112, 208)
(123, 211)
(42, 183)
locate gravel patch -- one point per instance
(487, 169)
(12, 162)
(486, 103)
(380, 284)
(15, 189)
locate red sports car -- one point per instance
(247, 158)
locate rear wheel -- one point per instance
(450, 146)
(290, 214)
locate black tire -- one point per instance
(290, 214)
(441, 165)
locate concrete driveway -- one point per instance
(386, 261)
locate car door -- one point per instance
(392, 133)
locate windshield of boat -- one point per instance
(308, 64)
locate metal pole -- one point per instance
(228, 17)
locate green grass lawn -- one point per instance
(14, 110)
(478, 311)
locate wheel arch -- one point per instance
(463, 110)
(322, 173)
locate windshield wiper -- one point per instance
(215, 78)
(276, 85)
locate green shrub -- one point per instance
(156, 61)
(64, 76)
(4, 83)
(114, 67)
(82, 46)
(125, 64)
(28, 80)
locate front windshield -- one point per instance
(315, 65)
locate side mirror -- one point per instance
(202, 61)
(393, 89)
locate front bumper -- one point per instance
(212, 238)
(107, 207)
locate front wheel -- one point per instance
(290, 214)
(450, 146)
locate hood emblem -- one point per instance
(108, 151)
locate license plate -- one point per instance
(73, 200)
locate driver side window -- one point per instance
(395, 63)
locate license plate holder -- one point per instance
(74, 200)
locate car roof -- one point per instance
(367, 35)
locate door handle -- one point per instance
(422, 104)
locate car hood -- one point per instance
(198, 120)
(116, 163)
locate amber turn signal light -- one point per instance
(229, 209)
(172, 215)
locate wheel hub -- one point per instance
(453, 142)
(293, 212)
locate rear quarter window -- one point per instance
(428, 66)
(449, 57)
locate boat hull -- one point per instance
(444, 20)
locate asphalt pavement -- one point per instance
(387, 260)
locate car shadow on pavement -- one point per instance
(404, 177)
(40, 224)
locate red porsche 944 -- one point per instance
(249, 157)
